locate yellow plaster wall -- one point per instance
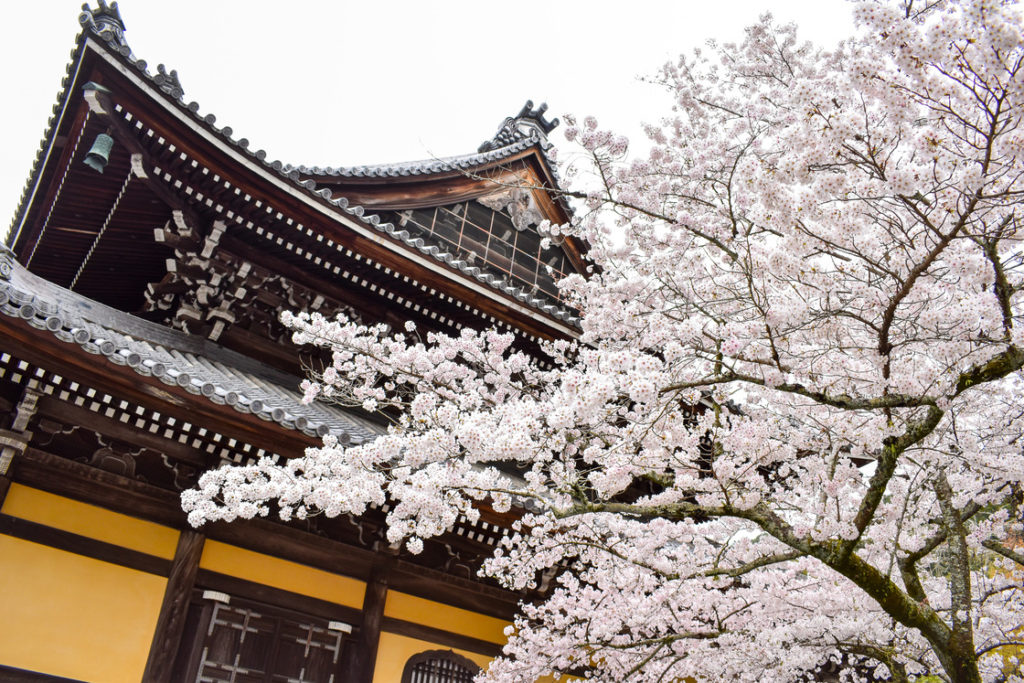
(90, 520)
(289, 576)
(395, 650)
(82, 618)
(69, 615)
(436, 614)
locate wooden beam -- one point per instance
(125, 136)
(79, 481)
(296, 602)
(69, 414)
(452, 590)
(289, 543)
(304, 276)
(170, 625)
(5, 485)
(364, 660)
(293, 544)
(82, 545)
(9, 674)
(414, 192)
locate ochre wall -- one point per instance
(89, 520)
(395, 650)
(69, 615)
(289, 576)
(430, 613)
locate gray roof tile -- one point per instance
(178, 359)
(424, 166)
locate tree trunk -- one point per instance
(963, 663)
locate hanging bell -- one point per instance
(99, 153)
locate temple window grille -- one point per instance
(245, 643)
(487, 239)
(439, 666)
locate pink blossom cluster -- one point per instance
(789, 434)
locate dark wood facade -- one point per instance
(140, 346)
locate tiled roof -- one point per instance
(425, 166)
(175, 358)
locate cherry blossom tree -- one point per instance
(789, 434)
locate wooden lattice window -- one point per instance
(439, 666)
(244, 642)
(487, 238)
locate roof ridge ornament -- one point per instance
(528, 123)
(518, 202)
(7, 260)
(105, 20)
(168, 81)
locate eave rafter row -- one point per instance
(201, 439)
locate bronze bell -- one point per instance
(99, 153)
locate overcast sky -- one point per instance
(341, 83)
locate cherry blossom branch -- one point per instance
(1001, 365)
(612, 201)
(760, 562)
(997, 645)
(939, 538)
(1010, 554)
(881, 588)
(844, 401)
(885, 467)
(884, 343)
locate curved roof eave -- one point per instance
(440, 165)
(220, 375)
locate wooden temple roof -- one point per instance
(326, 237)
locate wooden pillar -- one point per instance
(5, 483)
(365, 658)
(171, 623)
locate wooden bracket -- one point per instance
(14, 441)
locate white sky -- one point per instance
(341, 83)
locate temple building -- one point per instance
(147, 265)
